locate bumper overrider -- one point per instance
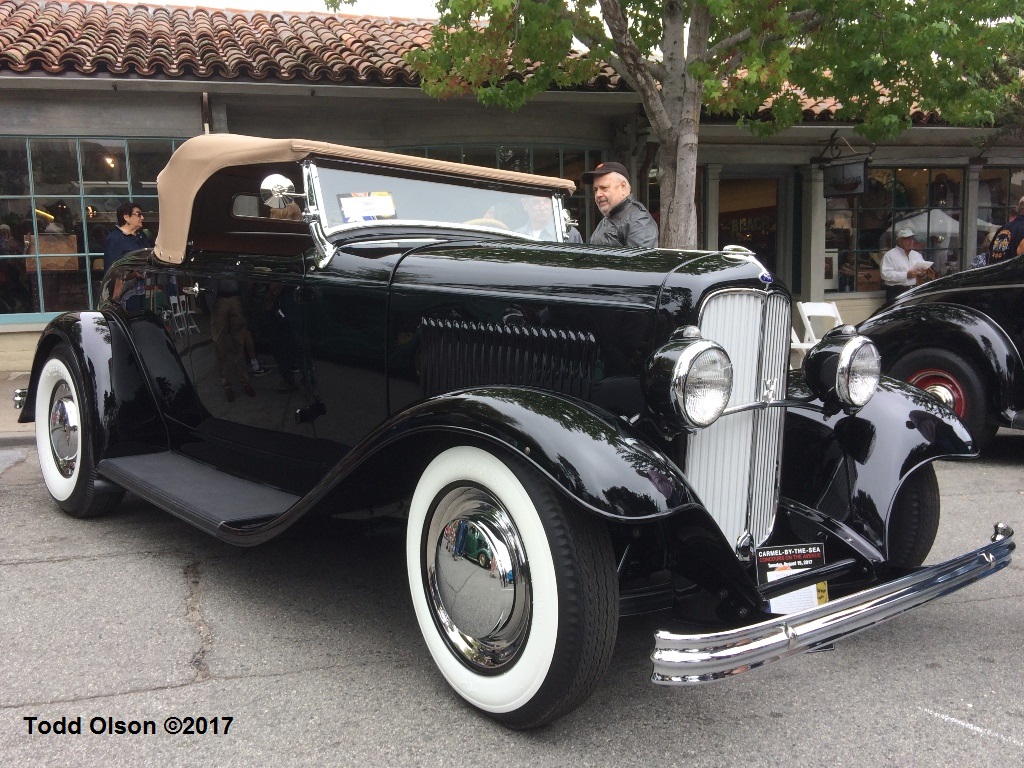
(691, 659)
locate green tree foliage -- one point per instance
(879, 59)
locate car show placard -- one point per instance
(774, 563)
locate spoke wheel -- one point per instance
(945, 387)
(527, 638)
(63, 440)
(956, 383)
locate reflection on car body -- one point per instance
(570, 433)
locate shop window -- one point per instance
(147, 157)
(13, 167)
(104, 167)
(58, 198)
(999, 189)
(748, 216)
(55, 166)
(486, 157)
(515, 159)
(15, 292)
(581, 204)
(861, 228)
(451, 154)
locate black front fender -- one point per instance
(852, 466)
(596, 458)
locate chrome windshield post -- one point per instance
(325, 250)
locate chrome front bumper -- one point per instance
(20, 397)
(691, 659)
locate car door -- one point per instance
(346, 315)
(242, 308)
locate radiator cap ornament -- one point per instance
(740, 253)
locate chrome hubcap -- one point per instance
(482, 611)
(942, 386)
(64, 429)
(944, 395)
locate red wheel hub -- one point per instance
(944, 386)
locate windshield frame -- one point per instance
(413, 181)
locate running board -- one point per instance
(196, 492)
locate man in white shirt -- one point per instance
(902, 265)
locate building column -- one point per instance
(969, 226)
(812, 249)
(712, 174)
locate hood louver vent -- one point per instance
(457, 354)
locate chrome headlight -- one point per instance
(858, 373)
(702, 383)
(688, 382)
(843, 369)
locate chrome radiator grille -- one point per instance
(734, 464)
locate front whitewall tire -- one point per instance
(513, 688)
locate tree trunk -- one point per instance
(679, 100)
(679, 177)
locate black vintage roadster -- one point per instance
(961, 338)
(571, 433)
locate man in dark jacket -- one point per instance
(626, 223)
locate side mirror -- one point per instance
(277, 191)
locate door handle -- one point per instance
(192, 290)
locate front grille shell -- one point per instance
(734, 464)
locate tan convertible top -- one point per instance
(200, 157)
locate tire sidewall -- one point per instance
(57, 369)
(512, 689)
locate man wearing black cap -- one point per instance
(626, 222)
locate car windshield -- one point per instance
(349, 197)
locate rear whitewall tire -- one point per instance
(57, 383)
(63, 440)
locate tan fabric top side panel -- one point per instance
(189, 168)
(200, 157)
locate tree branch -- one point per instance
(809, 20)
(636, 64)
(592, 41)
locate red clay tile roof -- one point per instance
(165, 41)
(173, 42)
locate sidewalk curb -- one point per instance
(17, 440)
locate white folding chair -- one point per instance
(797, 350)
(818, 318)
(177, 315)
(189, 312)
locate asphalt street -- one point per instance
(305, 651)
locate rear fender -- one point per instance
(87, 335)
(121, 407)
(956, 328)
